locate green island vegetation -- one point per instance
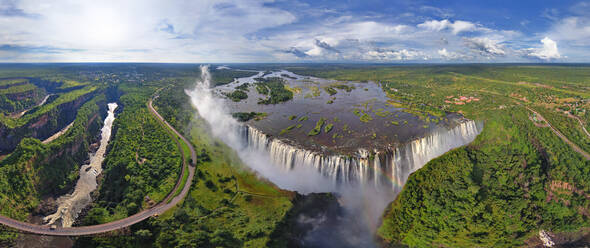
(274, 88)
(365, 117)
(237, 95)
(240, 92)
(287, 129)
(262, 89)
(343, 86)
(318, 127)
(227, 206)
(328, 127)
(244, 87)
(246, 116)
(295, 90)
(331, 91)
(363, 111)
(226, 76)
(516, 178)
(314, 92)
(292, 117)
(381, 112)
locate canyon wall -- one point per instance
(43, 126)
(388, 168)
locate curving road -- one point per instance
(160, 208)
(561, 136)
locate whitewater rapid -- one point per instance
(70, 205)
(365, 181)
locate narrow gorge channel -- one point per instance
(365, 182)
(70, 205)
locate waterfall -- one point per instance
(70, 205)
(386, 168)
(292, 167)
(389, 168)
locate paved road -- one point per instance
(565, 139)
(160, 208)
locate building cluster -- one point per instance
(574, 108)
(461, 100)
(113, 77)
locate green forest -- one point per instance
(274, 88)
(34, 170)
(515, 179)
(527, 171)
(228, 206)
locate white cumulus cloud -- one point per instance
(455, 27)
(447, 55)
(549, 50)
(140, 30)
(402, 54)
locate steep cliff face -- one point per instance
(13, 103)
(42, 126)
(40, 169)
(35, 170)
(388, 168)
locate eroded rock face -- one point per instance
(71, 205)
(43, 126)
(46, 207)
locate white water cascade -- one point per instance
(295, 168)
(389, 168)
(70, 205)
(384, 169)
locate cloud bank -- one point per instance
(280, 31)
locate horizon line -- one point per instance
(286, 63)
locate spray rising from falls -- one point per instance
(70, 205)
(226, 128)
(366, 181)
(389, 168)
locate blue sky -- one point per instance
(294, 31)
